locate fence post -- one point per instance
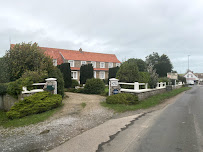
(136, 86)
(146, 85)
(161, 84)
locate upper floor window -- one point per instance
(118, 64)
(110, 65)
(83, 62)
(102, 65)
(93, 64)
(71, 63)
(102, 74)
(55, 62)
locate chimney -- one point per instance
(80, 50)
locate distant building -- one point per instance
(191, 78)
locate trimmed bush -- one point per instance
(164, 79)
(112, 72)
(86, 72)
(66, 71)
(122, 98)
(37, 103)
(94, 86)
(3, 88)
(74, 83)
(144, 77)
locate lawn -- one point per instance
(32, 119)
(147, 103)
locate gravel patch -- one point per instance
(67, 123)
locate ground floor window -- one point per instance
(74, 74)
(95, 74)
(102, 74)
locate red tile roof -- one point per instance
(59, 54)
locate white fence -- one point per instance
(137, 85)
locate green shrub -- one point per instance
(86, 72)
(144, 77)
(106, 81)
(3, 88)
(66, 71)
(122, 98)
(94, 86)
(79, 90)
(15, 87)
(164, 79)
(37, 103)
(74, 83)
(112, 72)
(35, 76)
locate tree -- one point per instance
(112, 72)
(142, 66)
(161, 64)
(4, 72)
(66, 71)
(86, 72)
(23, 57)
(128, 72)
(153, 77)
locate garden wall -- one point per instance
(6, 102)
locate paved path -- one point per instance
(176, 128)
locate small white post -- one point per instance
(109, 88)
(165, 84)
(146, 85)
(136, 86)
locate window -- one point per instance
(93, 64)
(74, 74)
(118, 64)
(102, 74)
(83, 62)
(110, 65)
(71, 63)
(55, 62)
(95, 74)
(102, 65)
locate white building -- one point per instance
(191, 78)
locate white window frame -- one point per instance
(72, 63)
(118, 64)
(102, 63)
(110, 65)
(55, 62)
(83, 62)
(95, 74)
(102, 74)
(94, 64)
(76, 75)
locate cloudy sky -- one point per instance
(127, 28)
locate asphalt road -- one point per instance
(176, 128)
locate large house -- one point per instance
(191, 78)
(100, 62)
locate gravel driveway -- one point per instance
(70, 121)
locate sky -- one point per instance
(127, 28)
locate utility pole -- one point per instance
(188, 62)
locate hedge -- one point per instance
(37, 103)
(3, 88)
(94, 86)
(122, 98)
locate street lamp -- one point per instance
(188, 63)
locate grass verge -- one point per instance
(147, 103)
(25, 121)
(83, 104)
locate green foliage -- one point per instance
(181, 78)
(153, 77)
(161, 64)
(164, 79)
(4, 72)
(15, 87)
(112, 72)
(106, 81)
(86, 72)
(128, 72)
(122, 98)
(144, 77)
(35, 76)
(23, 57)
(74, 83)
(94, 86)
(66, 71)
(83, 104)
(142, 66)
(3, 88)
(56, 73)
(37, 103)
